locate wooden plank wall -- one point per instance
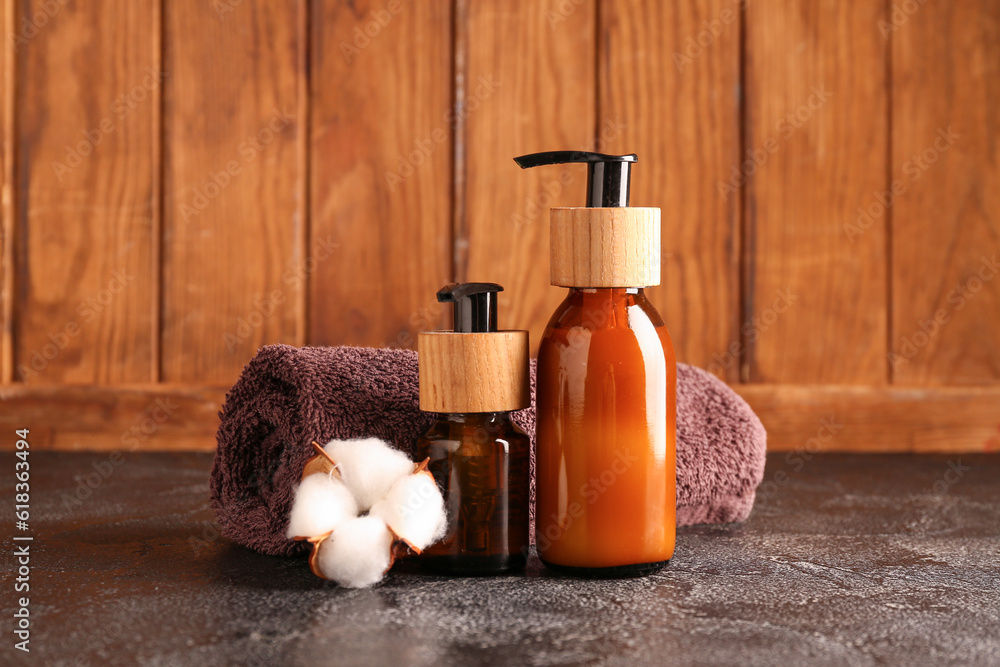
(528, 73)
(233, 183)
(381, 154)
(185, 181)
(945, 310)
(818, 131)
(85, 192)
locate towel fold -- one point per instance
(288, 397)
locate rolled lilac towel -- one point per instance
(287, 397)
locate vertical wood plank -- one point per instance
(670, 78)
(233, 205)
(815, 151)
(380, 189)
(86, 176)
(7, 52)
(529, 85)
(946, 213)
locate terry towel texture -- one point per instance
(288, 397)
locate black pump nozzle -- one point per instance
(608, 176)
(475, 305)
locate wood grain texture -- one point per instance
(138, 417)
(864, 419)
(233, 185)
(474, 372)
(86, 203)
(828, 546)
(182, 182)
(7, 222)
(380, 171)
(946, 213)
(815, 151)
(605, 247)
(804, 418)
(675, 102)
(529, 85)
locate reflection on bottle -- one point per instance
(480, 462)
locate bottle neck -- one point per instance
(475, 419)
(478, 427)
(613, 291)
(601, 307)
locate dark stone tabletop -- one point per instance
(846, 559)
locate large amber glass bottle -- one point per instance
(606, 385)
(606, 435)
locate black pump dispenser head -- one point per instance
(608, 176)
(475, 305)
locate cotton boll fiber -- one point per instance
(322, 502)
(358, 553)
(368, 467)
(414, 510)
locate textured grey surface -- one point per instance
(867, 559)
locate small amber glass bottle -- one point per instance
(471, 379)
(480, 463)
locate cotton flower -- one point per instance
(322, 502)
(368, 467)
(414, 510)
(344, 480)
(357, 554)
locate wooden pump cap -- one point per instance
(605, 247)
(473, 372)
